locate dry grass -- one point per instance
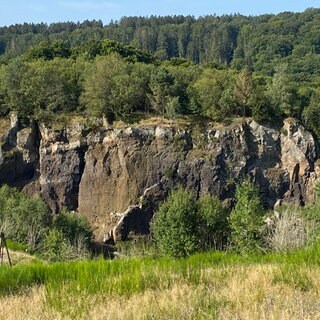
(18, 257)
(243, 292)
(289, 232)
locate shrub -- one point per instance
(22, 218)
(56, 247)
(27, 220)
(246, 219)
(175, 225)
(73, 226)
(69, 238)
(183, 225)
(214, 227)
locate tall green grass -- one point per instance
(16, 246)
(126, 277)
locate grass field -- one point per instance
(205, 286)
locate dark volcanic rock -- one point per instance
(104, 172)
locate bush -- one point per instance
(214, 227)
(73, 226)
(175, 225)
(288, 232)
(27, 220)
(22, 218)
(246, 219)
(183, 226)
(69, 238)
(56, 247)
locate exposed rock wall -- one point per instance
(103, 172)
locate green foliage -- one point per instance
(175, 225)
(208, 90)
(162, 87)
(114, 86)
(16, 86)
(68, 239)
(311, 114)
(73, 226)
(4, 108)
(256, 42)
(48, 51)
(183, 226)
(172, 108)
(22, 218)
(311, 214)
(280, 92)
(55, 246)
(317, 192)
(30, 220)
(214, 227)
(243, 90)
(34, 87)
(246, 219)
(266, 67)
(27, 220)
(262, 109)
(129, 53)
(138, 247)
(16, 246)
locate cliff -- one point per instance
(103, 171)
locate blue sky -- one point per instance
(19, 11)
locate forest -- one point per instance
(266, 67)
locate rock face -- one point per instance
(104, 172)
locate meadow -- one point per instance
(215, 285)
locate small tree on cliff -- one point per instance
(175, 225)
(246, 219)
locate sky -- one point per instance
(20, 11)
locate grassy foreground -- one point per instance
(205, 286)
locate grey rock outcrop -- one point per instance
(103, 172)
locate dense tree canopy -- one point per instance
(266, 67)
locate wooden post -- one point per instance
(3, 246)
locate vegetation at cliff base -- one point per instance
(28, 221)
(183, 225)
(246, 219)
(262, 260)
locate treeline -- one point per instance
(256, 42)
(116, 80)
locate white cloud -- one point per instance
(88, 5)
